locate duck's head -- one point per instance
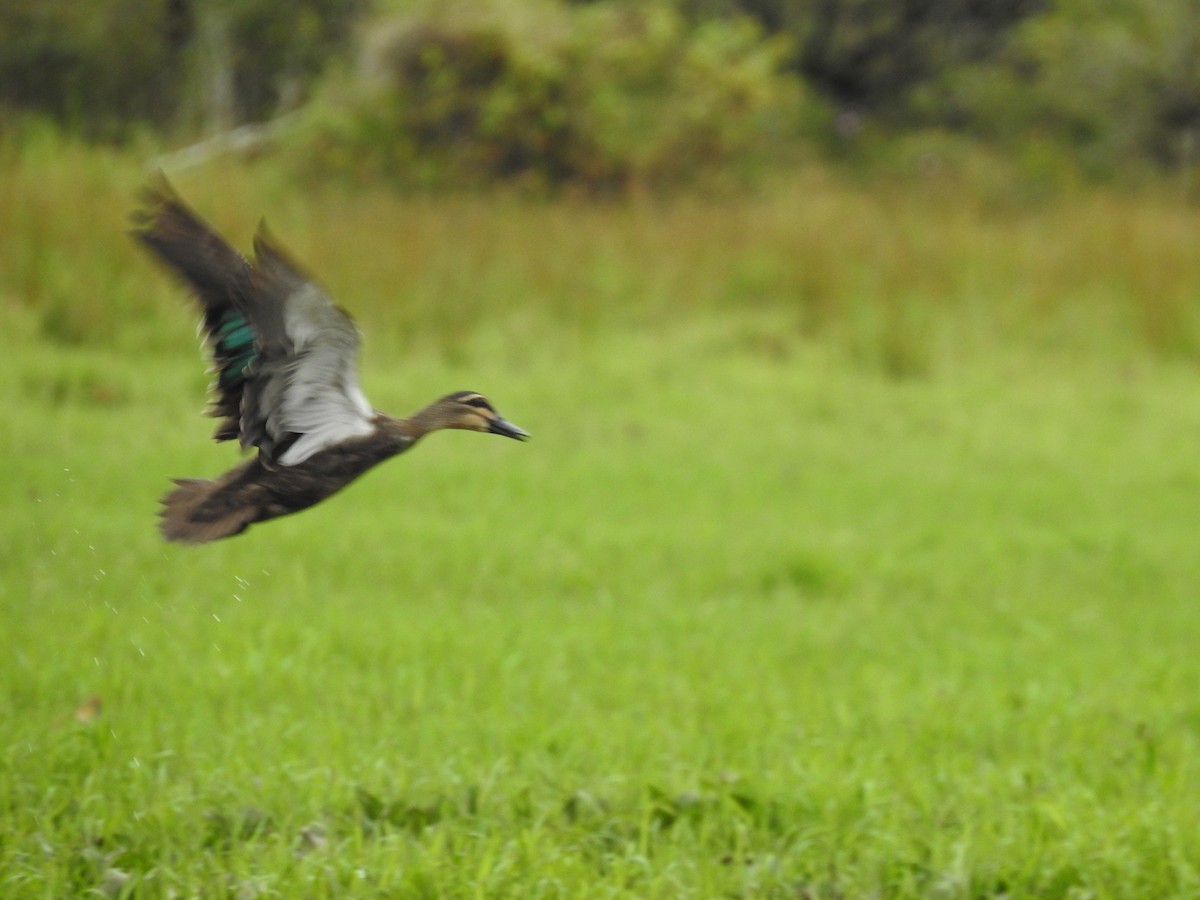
(473, 412)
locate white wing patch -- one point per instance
(322, 401)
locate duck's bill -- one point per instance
(508, 429)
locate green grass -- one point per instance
(754, 614)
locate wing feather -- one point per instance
(286, 357)
(306, 396)
(218, 276)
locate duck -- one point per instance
(284, 367)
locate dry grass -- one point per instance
(903, 275)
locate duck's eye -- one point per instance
(478, 403)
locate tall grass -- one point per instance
(903, 275)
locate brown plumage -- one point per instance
(285, 381)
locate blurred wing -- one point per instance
(304, 394)
(219, 278)
(284, 356)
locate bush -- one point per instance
(610, 97)
(1116, 86)
(868, 54)
(102, 66)
(94, 66)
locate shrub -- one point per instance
(102, 66)
(868, 54)
(92, 65)
(611, 96)
(1116, 86)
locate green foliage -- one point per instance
(94, 66)
(1109, 86)
(104, 66)
(612, 96)
(282, 48)
(868, 54)
(1116, 86)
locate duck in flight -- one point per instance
(284, 361)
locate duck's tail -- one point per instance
(200, 510)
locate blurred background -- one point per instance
(610, 96)
(906, 178)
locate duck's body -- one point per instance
(200, 509)
(285, 360)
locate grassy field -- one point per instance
(843, 562)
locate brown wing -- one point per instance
(219, 278)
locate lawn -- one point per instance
(763, 609)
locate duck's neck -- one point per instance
(392, 435)
(415, 427)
